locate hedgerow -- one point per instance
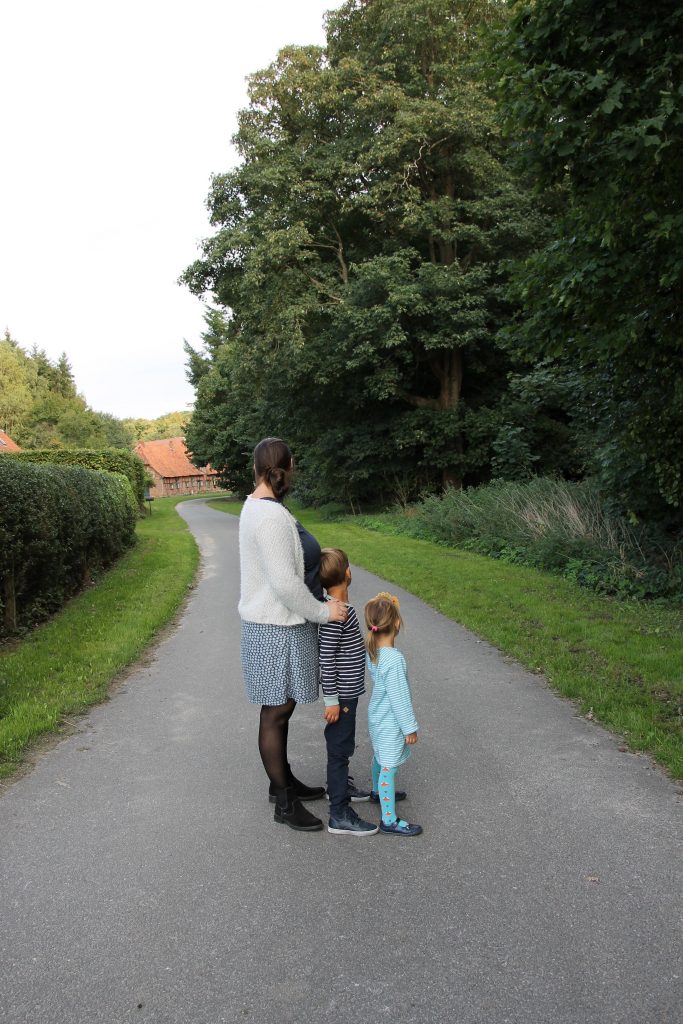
(110, 460)
(58, 525)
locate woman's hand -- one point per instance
(338, 611)
(331, 714)
(411, 738)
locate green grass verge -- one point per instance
(66, 665)
(621, 662)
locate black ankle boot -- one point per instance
(290, 811)
(301, 790)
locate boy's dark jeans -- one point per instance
(340, 737)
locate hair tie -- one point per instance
(375, 629)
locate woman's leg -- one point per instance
(272, 741)
(272, 744)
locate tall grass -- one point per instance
(550, 524)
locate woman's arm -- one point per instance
(277, 543)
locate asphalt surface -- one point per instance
(142, 877)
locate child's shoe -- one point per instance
(356, 795)
(351, 825)
(398, 795)
(400, 828)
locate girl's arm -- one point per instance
(279, 561)
(398, 692)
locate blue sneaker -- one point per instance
(351, 825)
(400, 828)
(398, 795)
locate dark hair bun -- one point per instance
(277, 479)
(273, 464)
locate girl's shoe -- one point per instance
(398, 795)
(290, 811)
(400, 828)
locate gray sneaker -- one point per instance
(351, 825)
(356, 795)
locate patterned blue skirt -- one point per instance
(280, 662)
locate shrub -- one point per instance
(110, 460)
(58, 524)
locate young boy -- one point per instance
(342, 675)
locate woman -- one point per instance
(280, 617)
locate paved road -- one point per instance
(143, 879)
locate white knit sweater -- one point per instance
(272, 587)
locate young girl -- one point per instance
(393, 728)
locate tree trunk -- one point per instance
(447, 367)
(451, 386)
(449, 479)
(450, 379)
(10, 599)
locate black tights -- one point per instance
(272, 741)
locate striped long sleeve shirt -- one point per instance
(390, 712)
(342, 659)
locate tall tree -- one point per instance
(359, 250)
(41, 408)
(17, 384)
(172, 424)
(593, 95)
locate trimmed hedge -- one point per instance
(58, 524)
(109, 460)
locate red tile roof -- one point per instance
(7, 444)
(169, 458)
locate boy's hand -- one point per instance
(331, 714)
(411, 738)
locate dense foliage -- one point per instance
(110, 460)
(40, 406)
(172, 424)
(451, 252)
(593, 99)
(58, 524)
(358, 262)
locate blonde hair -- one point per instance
(382, 615)
(333, 565)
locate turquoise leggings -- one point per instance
(384, 783)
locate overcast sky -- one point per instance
(112, 118)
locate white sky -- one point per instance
(112, 118)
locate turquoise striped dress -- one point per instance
(390, 711)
